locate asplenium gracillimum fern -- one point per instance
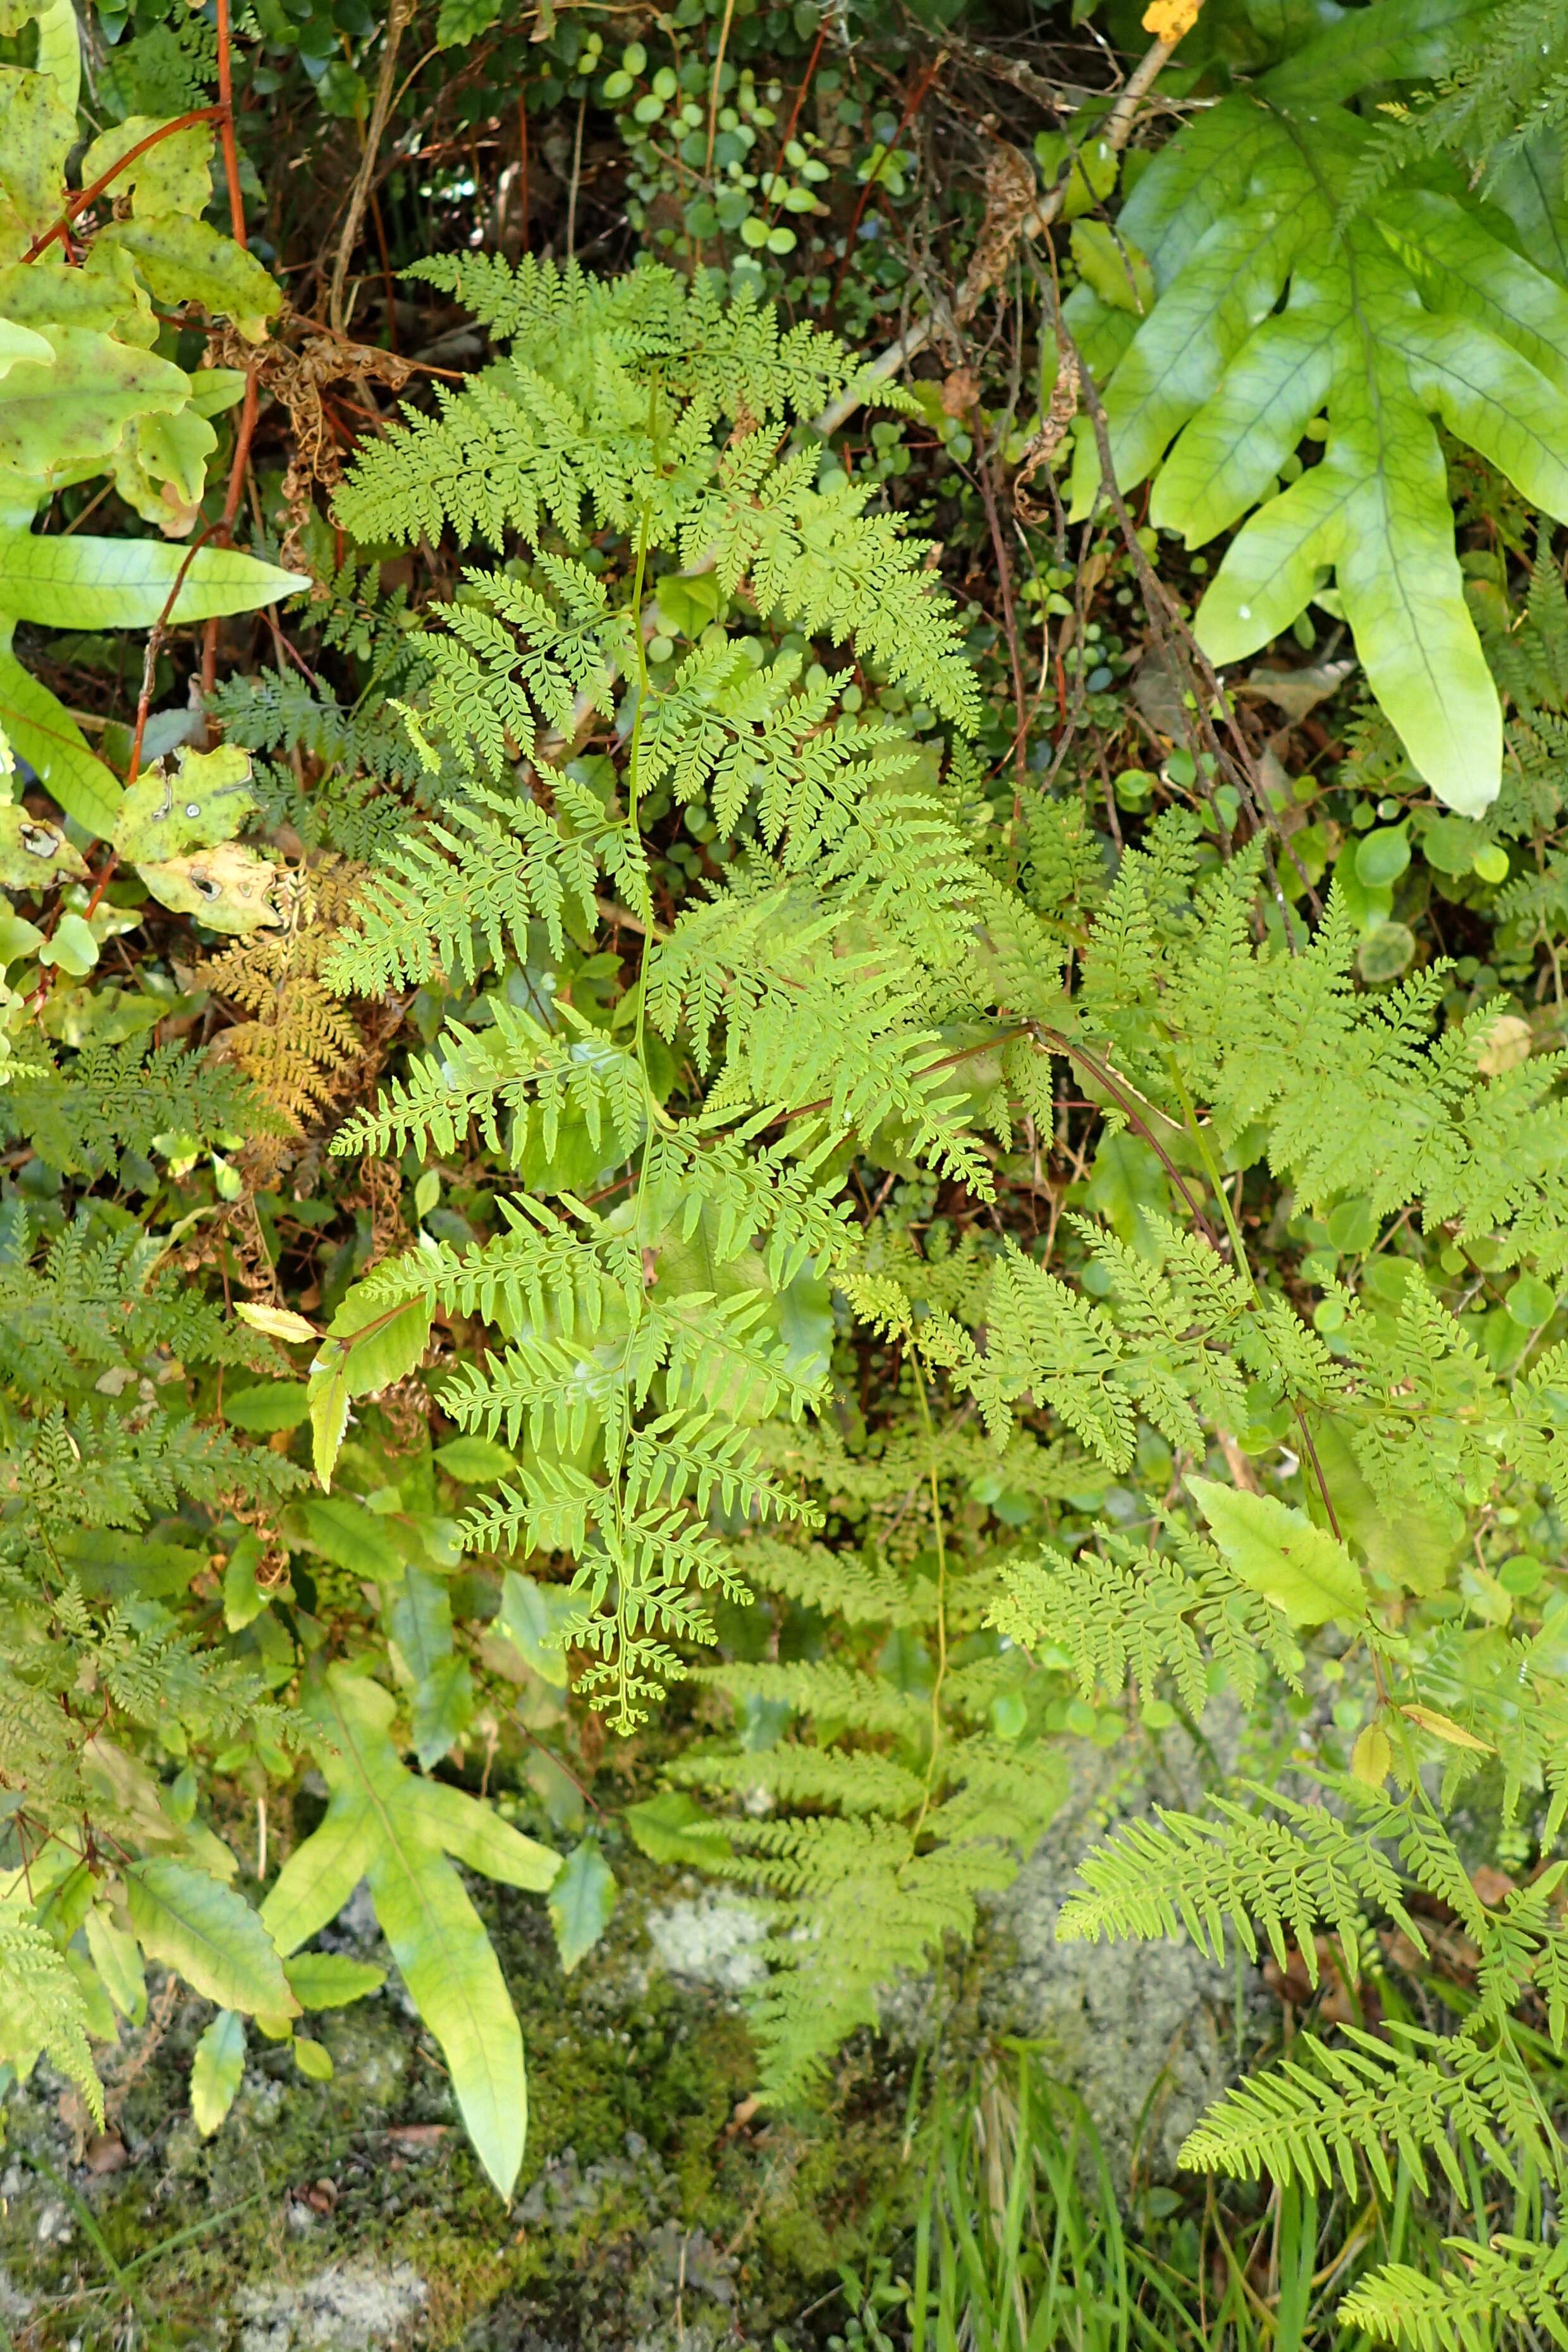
(652, 1327)
(643, 1343)
(1275, 316)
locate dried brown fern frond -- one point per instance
(300, 1045)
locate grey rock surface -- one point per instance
(710, 1940)
(347, 2307)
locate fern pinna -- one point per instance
(1295, 1465)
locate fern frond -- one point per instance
(1506, 2281)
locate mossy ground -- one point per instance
(349, 2211)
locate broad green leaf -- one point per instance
(117, 1956)
(471, 1460)
(351, 1538)
(319, 1876)
(212, 391)
(330, 1979)
(124, 584)
(1113, 265)
(42, 731)
(243, 1599)
(269, 1406)
(401, 1825)
(1394, 40)
(1302, 1569)
(97, 2010)
(71, 946)
(205, 802)
(217, 2071)
(581, 1902)
(208, 1935)
(1416, 311)
(58, 418)
(1412, 1543)
(327, 1391)
(531, 1616)
(1227, 459)
(673, 1828)
(114, 1564)
(475, 1834)
(1463, 268)
(19, 937)
(386, 1341)
(19, 343)
(313, 2062)
(443, 1708)
(420, 1620)
(228, 888)
(187, 261)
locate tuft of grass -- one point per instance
(1018, 2243)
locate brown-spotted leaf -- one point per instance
(228, 887)
(34, 854)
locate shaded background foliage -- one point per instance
(865, 170)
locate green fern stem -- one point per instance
(941, 1675)
(1243, 1264)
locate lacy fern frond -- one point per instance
(1507, 2281)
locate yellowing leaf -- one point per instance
(1372, 1757)
(1444, 1728)
(18, 342)
(175, 176)
(57, 419)
(384, 1824)
(208, 1935)
(1168, 20)
(160, 468)
(228, 888)
(278, 1322)
(34, 854)
(1279, 1552)
(185, 260)
(205, 801)
(328, 1391)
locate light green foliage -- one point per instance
(1418, 307)
(1509, 2280)
(859, 979)
(82, 392)
(580, 1903)
(664, 410)
(389, 1826)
